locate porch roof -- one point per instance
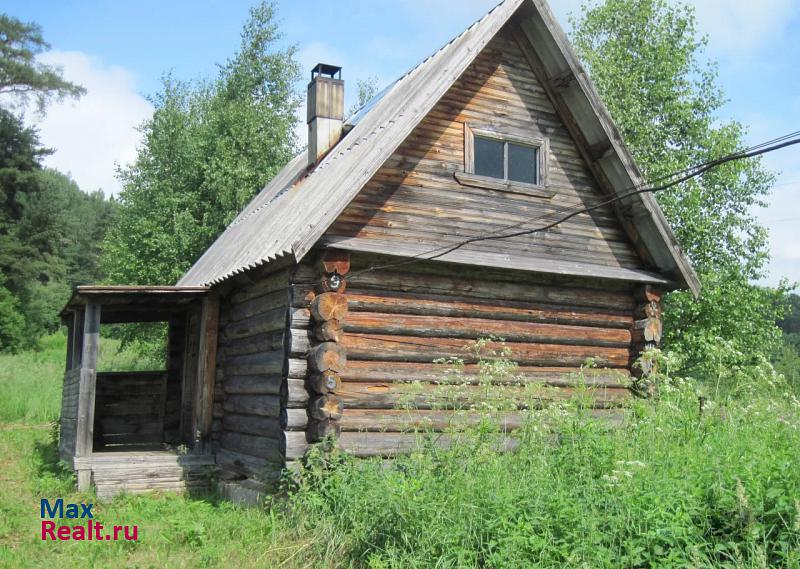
(135, 303)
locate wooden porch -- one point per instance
(140, 430)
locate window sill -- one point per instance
(475, 181)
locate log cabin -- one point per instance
(400, 236)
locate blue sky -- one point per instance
(120, 50)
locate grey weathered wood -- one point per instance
(206, 368)
(294, 221)
(88, 375)
(264, 405)
(257, 446)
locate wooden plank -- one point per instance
(91, 346)
(206, 368)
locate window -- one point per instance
(505, 162)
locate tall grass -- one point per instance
(30, 382)
(673, 487)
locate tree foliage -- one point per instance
(207, 150)
(49, 236)
(21, 76)
(646, 58)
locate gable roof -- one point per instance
(296, 207)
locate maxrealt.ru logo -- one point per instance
(88, 531)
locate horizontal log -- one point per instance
(294, 419)
(324, 382)
(431, 396)
(417, 349)
(329, 331)
(488, 289)
(264, 285)
(647, 330)
(265, 342)
(648, 310)
(438, 305)
(253, 425)
(294, 444)
(473, 328)
(259, 305)
(331, 283)
(299, 342)
(334, 261)
(263, 363)
(298, 368)
(325, 407)
(270, 321)
(296, 393)
(329, 306)
(327, 356)
(320, 429)
(401, 420)
(392, 444)
(247, 465)
(263, 405)
(300, 318)
(252, 445)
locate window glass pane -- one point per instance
(488, 157)
(522, 163)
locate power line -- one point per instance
(682, 176)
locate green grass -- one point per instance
(30, 382)
(672, 488)
(30, 387)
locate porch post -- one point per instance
(86, 394)
(206, 370)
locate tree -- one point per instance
(366, 89)
(12, 323)
(646, 58)
(49, 236)
(21, 76)
(207, 150)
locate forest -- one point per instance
(691, 487)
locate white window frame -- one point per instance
(469, 178)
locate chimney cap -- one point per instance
(325, 69)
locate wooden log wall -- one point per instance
(327, 358)
(69, 413)
(251, 389)
(130, 409)
(416, 203)
(647, 327)
(401, 320)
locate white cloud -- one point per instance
(90, 136)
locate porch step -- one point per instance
(137, 472)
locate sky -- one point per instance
(120, 51)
